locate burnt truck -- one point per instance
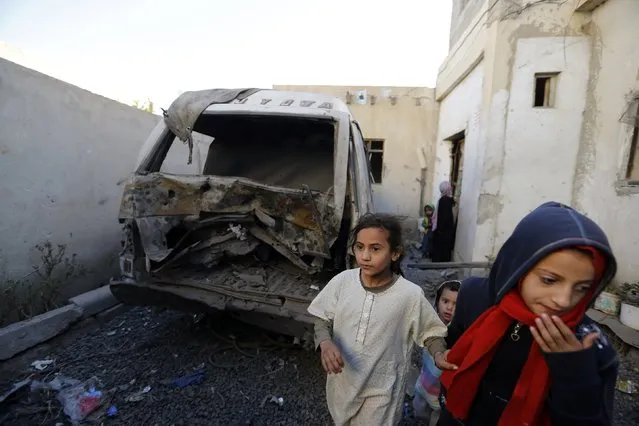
(242, 201)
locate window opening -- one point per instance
(375, 148)
(545, 88)
(631, 118)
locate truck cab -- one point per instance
(243, 201)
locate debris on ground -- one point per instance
(627, 386)
(272, 399)
(138, 396)
(189, 380)
(78, 399)
(14, 391)
(41, 365)
(232, 388)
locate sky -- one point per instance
(138, 49)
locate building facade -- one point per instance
(399, 125)
(538, 101)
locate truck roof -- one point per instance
(276, 98)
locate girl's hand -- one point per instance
(553, 335)
(441, 361)
(332, 360)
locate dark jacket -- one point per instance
(582, 383)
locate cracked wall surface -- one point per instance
(574, 152)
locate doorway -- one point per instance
(457, 164)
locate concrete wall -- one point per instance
(464, 11)
(460, 112)
(406, 128)
(64, 153)
(575, 152)
(540, 154)
(599, 188)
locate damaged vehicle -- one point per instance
(243, 200)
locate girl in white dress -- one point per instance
(367, 322)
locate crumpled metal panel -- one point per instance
(186, 109)
(160, 201)
(153, 232)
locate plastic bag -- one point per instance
(81, 399)
(78, 399)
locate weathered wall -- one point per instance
(540, 154)
(63, 154)
(406, 127)
(614, 69)
(464, 11)
(574, 152)
(460, 111)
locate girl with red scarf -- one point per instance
(525, 353)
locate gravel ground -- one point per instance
(145, 349)
(141, 349)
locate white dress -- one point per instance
(375, 332)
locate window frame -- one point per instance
(551, 96)
(630, 143)
(369, 152)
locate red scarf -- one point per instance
(475, 349)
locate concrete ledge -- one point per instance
(23, 335)
(95, 301)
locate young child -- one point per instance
(425, 225)
(367, 321)
(426, 400)
(526, 353)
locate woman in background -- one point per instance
(444, 225)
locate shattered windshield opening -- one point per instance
(292, 152)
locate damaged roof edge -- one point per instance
(187, 108)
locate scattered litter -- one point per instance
(238, 230)
(78, 399)
(111, 333)
(314, 287)
(112, 411)
(199, 367)
(272, 399)
(405, 410)
(153, 371)
(14, 390)
(296, 341)
(189, 380)
(627, 386)
(138, 396)
(127, 386)
(42, 364)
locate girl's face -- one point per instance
(373, 252)
(428, 211)
(446, 305)
(558, 282)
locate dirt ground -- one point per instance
(238, 374)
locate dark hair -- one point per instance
(452, 285)
(391, 224)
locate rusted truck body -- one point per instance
(243, 201)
